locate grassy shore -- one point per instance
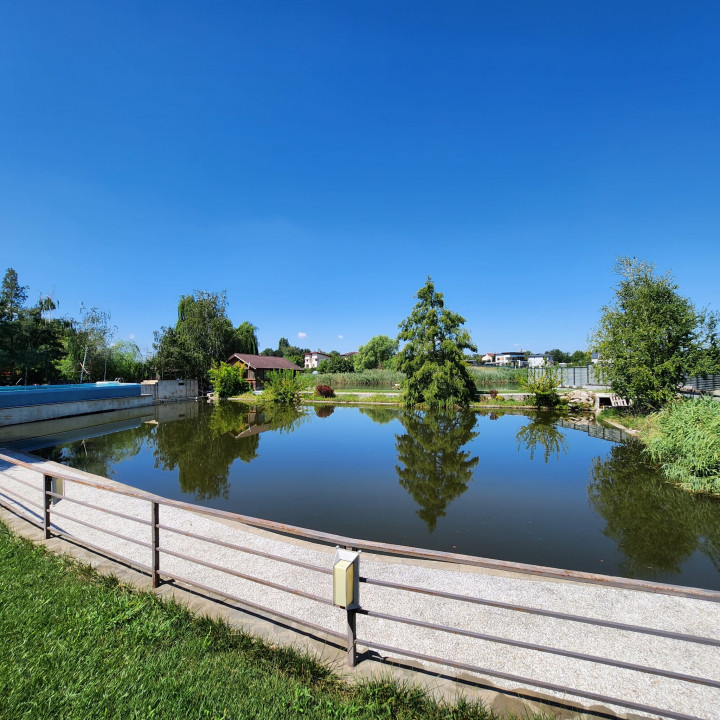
(79, 645)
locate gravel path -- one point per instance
(696, 617)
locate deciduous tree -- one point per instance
(650, 338)
(377, 351)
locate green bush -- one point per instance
(543, 386)
(686, 439)
(228, 380)
(283, 387)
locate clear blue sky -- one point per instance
(318, 160)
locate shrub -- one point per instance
(543, 386)
(324, 391)
(228, 380)
(493, 393)
(685, 440)
(283, 387)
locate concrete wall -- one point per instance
(36, 413)
(170, 390)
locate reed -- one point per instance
(366, 378)
(489, 376)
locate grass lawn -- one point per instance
(76, 644)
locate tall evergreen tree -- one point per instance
(432, 358)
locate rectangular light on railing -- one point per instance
(346, 570)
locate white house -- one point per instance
(536, 361)
(488, 357)
(516, 359)
(313, 359)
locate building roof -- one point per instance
(317, 352)
(264, 362)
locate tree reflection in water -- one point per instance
(655, 525)
(381, 415)
(99, 455)
(435, 470)
(543, 432)
(204, 449)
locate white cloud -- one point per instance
(302, 334)
(340, 337)
(132, 336)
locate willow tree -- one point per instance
(432, 359)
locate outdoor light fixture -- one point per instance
(346, 579)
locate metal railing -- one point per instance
(13, 501)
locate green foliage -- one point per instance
(245, 339)
(543, 384)
(336, 363)
(366, 378)
(686, 439)
(579, 357)
(375, 353)
(649, 339)
(203, 334)
(283, 387)
(432, 359)
(228, 380)
(489, 376)
(30, 339)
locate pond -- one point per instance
(504, 485)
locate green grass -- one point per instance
(626, 418)
(489, 376)
(685, 438)
(79, 645)
(352, 398)
(366, 378)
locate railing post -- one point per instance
(155, 541)
(351, 615)
(47, 500)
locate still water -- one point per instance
(511, 486)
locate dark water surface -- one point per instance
(507, 486)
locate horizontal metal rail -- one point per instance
(97, 507)
(254, 606)
(102, 530)
(38, 488)
(101, 550)
(21, 512)
(12, 494)
(543, 648)
(546, 613)
(528, 681)
(243, 548)
(244, 576)
(383, 548)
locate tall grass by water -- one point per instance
(366, 378)
(78, 645)
(685, 438)
(493, 376)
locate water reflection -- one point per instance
(99, 455)
(381, 415)
(542, 432)
(435, 470)
(203, 449)
(655, 525)
(323, 411)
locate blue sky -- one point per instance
(318, 160)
